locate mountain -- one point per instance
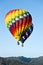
(21, 61)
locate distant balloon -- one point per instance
(19, 23)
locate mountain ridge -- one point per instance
(21, 61)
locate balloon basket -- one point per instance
(18, 43)
(22, 44)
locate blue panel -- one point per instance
(27, 34)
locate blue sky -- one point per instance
(33, 46)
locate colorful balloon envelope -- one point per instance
(19, 23)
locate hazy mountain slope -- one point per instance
(21, 61)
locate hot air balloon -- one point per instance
(19, 23)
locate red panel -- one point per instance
(12, 28)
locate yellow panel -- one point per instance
(17, 37)
(20, 11)
(23, 11)
(22, 28)
(9, 16)
(16, 12)
(6, 20)
(13, 14)
(28, 25)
